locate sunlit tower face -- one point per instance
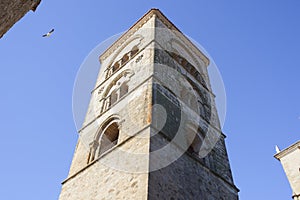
(151, 130)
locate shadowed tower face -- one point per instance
(151, 130)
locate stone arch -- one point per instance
(195, 137)
(196, 72)
(184, 47)
(124, 59)
(196, 144)
(135, 37)
(134, 50)
(124, 88)
(202, 99)
(114, 64)
(105, 138)
(113, 97)
(109, 138)
(204, 102)
(126, 73)
(116, 89)
(109, 120)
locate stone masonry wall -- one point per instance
(186, 178)
(110, 176)
(218, 156)
(12, 11)
(141, 134)
(103, 181)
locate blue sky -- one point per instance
(255, 45)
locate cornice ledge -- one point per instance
(181, 35)
(144, 19)
(288, 150)
(136, 26)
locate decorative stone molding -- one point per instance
(288, 150)
(140, 23)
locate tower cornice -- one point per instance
(136, 26)
(288, 150)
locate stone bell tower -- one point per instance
(151, 130)
(290, 160)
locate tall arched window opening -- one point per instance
(109, 138)
(123, 89)
(113, 98)
(117, 89)
(104, 140)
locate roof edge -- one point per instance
(287, 150)
(37, 3)
(143, 20)
(128, 33)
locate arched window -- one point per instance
(204, 102)
(195, 137)
(115, 67)
(117, 89)
(184, 63)
(134, 51)
(109, 73)
(109, 138)
(196, 145)
(201, 108)
(123, 89)
(121, 62)
(113, 98)
(189, 68)
(105, 139)
(125, 58)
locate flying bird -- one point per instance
(49, 33)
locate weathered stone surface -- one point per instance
(166, 120)
(163, 57)
(99, 181)
(290, 160)
(12, 11)
(187, 178)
